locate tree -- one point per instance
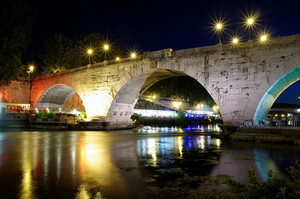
(61, 53)
(182, 87)
(16, 19)
(54, 54)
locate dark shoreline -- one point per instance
(262, 134)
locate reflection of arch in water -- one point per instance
(274, 91)
(264, 162)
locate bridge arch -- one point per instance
(123, 104)
(56, 97)
(273, 93)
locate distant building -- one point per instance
(284, 115)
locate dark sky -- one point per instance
(154, 25)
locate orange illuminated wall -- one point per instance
(16, 92)
(74, 102)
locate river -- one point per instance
(126, 163)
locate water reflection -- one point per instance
(175, 147)
(27, 165)
(122, 164)
(264, 163)
(194, 128)
(202, 128)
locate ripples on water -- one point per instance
(123, 164)
(197, 128)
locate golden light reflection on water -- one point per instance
(96, 166)
(27, 159)
(90, 162)
(151, 149)
(180, 143)
(90, 165)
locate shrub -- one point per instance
(50, 115)
(135, 116)
(39, 114)
(274, 187)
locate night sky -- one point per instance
(155, 25)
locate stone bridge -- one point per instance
(244, 81)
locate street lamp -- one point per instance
(219, 27)
(105, 49)
(133, 55)
(30, 70)
(250, 22)
(117, 58)
(235, 40)
(263, 38)
(89, 53)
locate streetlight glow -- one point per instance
(250, 21)
(219, 28)
(263, 38)
(89, 51)
(31, 68)
(105, 46)
(117, 58)
(235, 40)
(133, 55)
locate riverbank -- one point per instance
(262, 134)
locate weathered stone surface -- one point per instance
(16, 92)
(236, 78)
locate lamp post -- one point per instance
(219, 28)
(250, 24)
(105, 49)
(89, 53)
(30, 70)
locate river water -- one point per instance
(126, 163)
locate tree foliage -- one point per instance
(16, 19)
(61, 53)
(182, 87)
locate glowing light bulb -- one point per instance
(263, 38)
(106, 47)
(250, 21)
(89, 51)
(235, 40)
(133, 55)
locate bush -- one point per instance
(50, 115)
(135, 116)
(274, 187)
(39, 114)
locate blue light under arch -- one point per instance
(274, 91)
